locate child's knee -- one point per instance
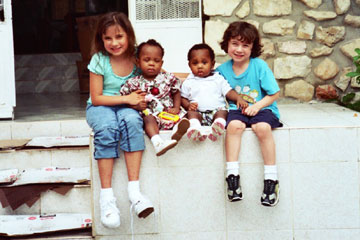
(261, 129)
(133, 120)
(235, 127)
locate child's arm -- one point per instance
(189, 106)
(177, 101)
(266, 101)
(235, 97)
(97, 97)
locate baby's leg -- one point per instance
(218, 125)
(194, 131)
(194, 115)
(161, 146)
(151, 125)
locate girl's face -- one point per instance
(239, 50)
(115, 40)
(150, 61)
(200, 63)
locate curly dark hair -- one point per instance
(247, 32)
(110, 19)
(201, 46)
(150, 42)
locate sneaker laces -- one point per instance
(269, 186)
(233, 182)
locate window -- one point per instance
(167, 9)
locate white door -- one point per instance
(7, 69)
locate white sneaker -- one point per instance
(196, 134)
(217, 129)
(180, 129)
(142, 206)
(110, 214)
(163, 146)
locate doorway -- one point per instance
(47, 50)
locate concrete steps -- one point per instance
(77, 200)
(318, 162)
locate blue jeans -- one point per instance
(114, 124)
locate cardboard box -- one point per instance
(48, 175)
(46, 142)
(32, 182)
(22, 225)
(8, 176)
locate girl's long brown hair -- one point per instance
(108, 20)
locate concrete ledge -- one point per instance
(318, 163)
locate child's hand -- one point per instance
(193, 106)
(240, 102)
(251, 110)
(174, 110)
(136, 97)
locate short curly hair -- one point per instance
(247, 32)
(199, 47)
(151, 42)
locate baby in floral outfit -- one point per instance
(163, 94)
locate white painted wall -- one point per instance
(7, 69)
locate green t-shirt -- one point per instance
(100, 64)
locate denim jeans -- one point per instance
(114, 124)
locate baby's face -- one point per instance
(150, 61)
(200, 63)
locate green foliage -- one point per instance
(347, 101)
(356, 61)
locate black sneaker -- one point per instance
(234, 189)
(271, 193)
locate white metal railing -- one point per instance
(167, 9)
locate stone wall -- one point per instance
(308, 44)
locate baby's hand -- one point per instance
(174, 110)
(193, 106)
(240, 102)
(136, 97)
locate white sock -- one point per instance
(106, 193)
(221, 120)
(232, 168)
(134, 190)
(156, 139)
(270, 172)
(194, 122)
